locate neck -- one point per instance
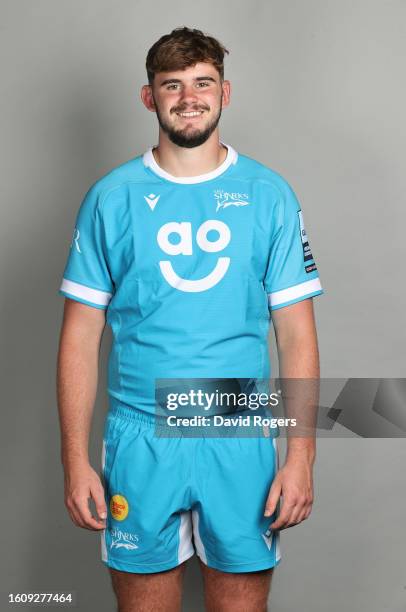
(181, 161)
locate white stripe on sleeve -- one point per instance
(292, 293)
(102, 298)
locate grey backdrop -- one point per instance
(319, 95)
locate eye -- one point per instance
(203, 83)
(172, 86)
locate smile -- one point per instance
(190, 114)
(193, 286)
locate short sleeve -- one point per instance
(86, 277)
(291, 274)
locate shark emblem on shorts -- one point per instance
(123, 539)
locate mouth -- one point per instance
(190, 114)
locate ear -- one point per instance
(147, 98)
(225, 98)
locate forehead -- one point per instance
(199, 70)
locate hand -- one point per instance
(294, 483)
(81, 484)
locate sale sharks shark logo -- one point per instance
(123, 539)
(224, 199)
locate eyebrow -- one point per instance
(200, 78)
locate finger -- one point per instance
(82, 508)
(299, 514)
(302, 517)
(284, 516)
(308, 511)
(273, 498)
(294, 518)
(97, 493)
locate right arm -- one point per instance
(77, 377)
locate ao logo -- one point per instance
(184, 247)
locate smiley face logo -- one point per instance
(184, 247)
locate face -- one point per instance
(188, 103)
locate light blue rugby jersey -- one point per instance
(188, 270)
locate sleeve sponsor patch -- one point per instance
(307, 253)
(311, 267)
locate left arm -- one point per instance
(298, 355)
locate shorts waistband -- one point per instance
(133, 414)
(159, 422)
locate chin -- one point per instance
(189, 141)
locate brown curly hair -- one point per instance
(182, 48)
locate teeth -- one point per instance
(191, 114)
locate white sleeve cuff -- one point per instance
(93, 296)
(295, 293)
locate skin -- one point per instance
(298, 356)
(197, 87)
(188, 90)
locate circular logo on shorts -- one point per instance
(119, 507)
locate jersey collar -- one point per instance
(231, 158)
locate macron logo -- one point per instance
(268, 535)
(152, 200)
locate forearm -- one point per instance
(299, 362)
(77, 376)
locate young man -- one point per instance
(185, 251)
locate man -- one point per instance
(185, 251)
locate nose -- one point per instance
(188, 94)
